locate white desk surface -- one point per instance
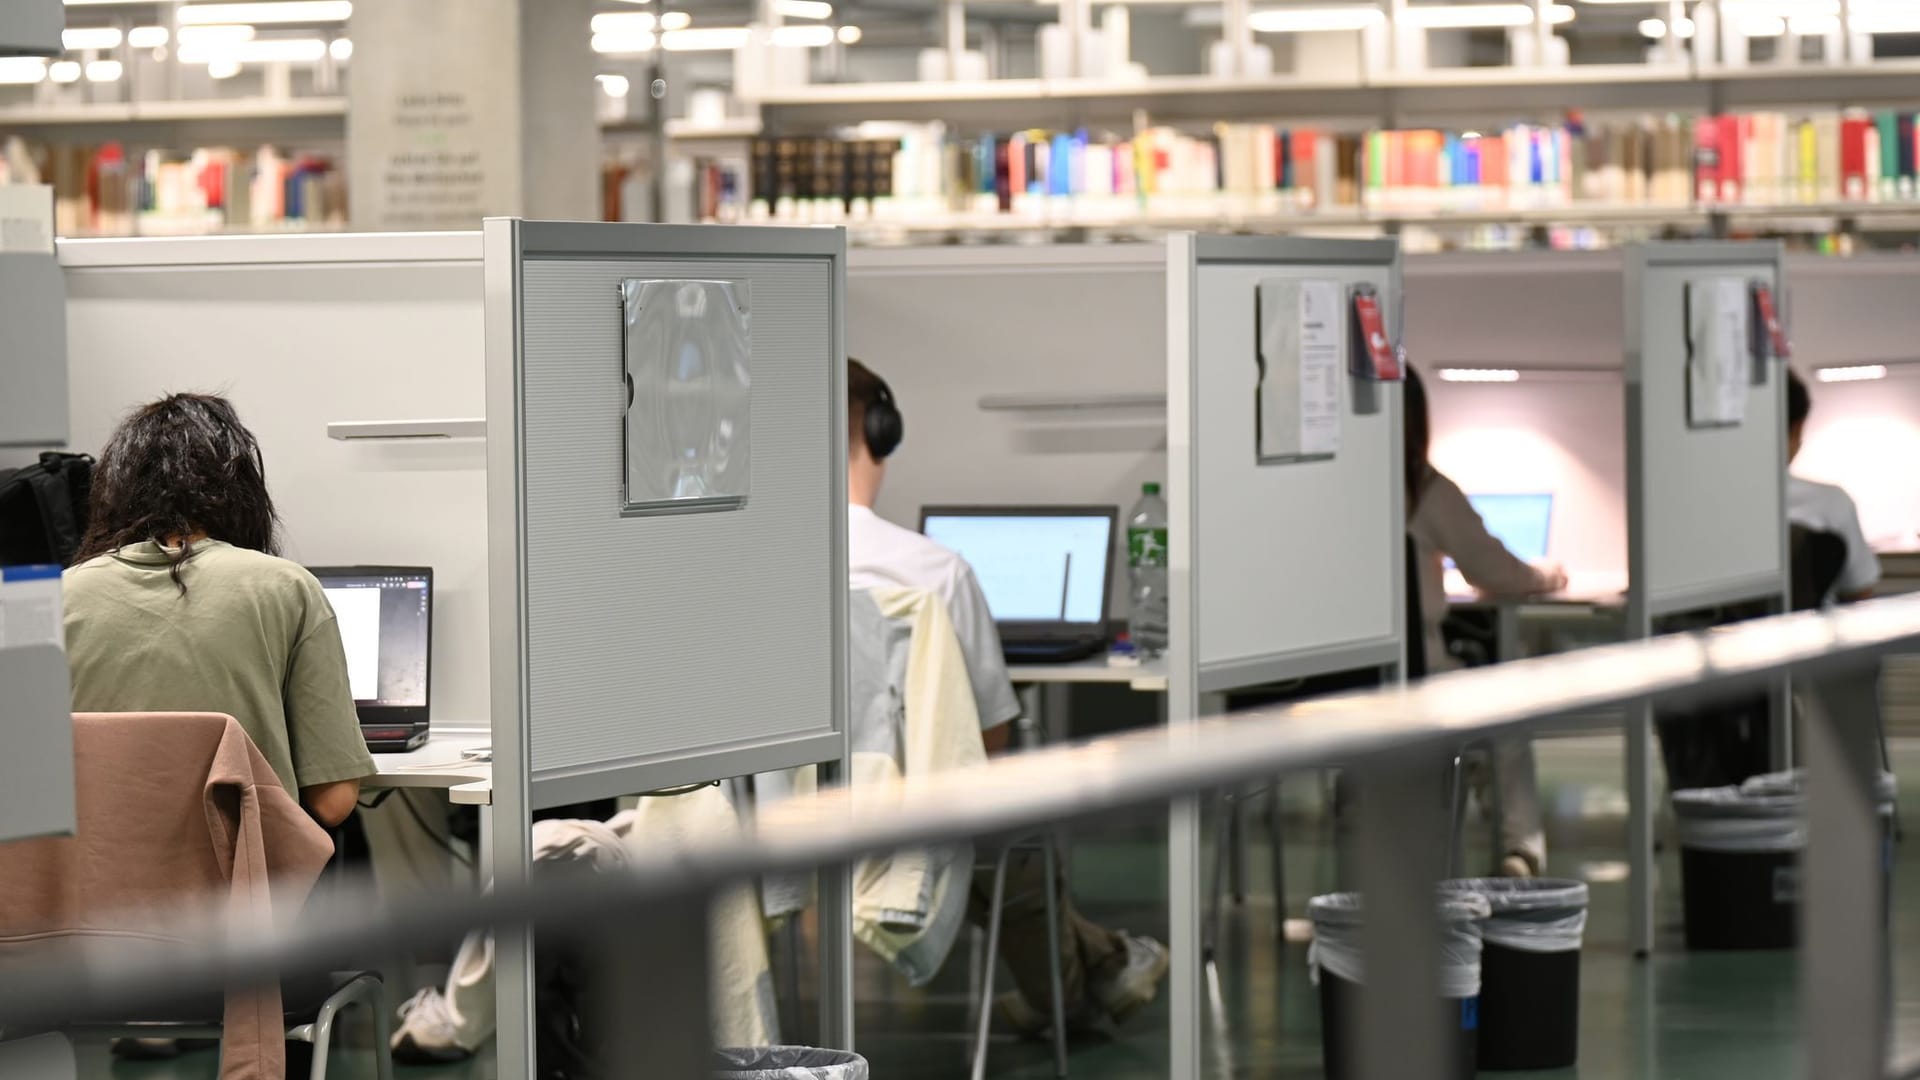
(437, 763)
(1149, 677)
(1594, 589)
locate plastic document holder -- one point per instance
(687, 370)
(1301, 341)
(1719, 357)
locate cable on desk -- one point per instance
(444, 843)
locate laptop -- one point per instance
(1522, 522)
(1047, 572)
(385, 615)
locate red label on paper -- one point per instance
(1770, 319)
(1373, 337)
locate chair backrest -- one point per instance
(1816, 559)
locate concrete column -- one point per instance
(463, 109)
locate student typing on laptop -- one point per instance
(1103, 971)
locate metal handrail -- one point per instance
(1376, 728)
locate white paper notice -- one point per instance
(26, 219)
(1719, 369)
(1303, 335)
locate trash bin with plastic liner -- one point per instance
(1740, 859)
(787, 1063)
(1529, 970)
(1334, 962)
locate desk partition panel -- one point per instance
(666, 416)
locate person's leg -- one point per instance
(1023, 931)
(1522, 829)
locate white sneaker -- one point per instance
(450, 1026)
(1126, 991)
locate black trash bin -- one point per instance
(1740, 860)
(787, 1063)
(1529, 971)
(1335, 963)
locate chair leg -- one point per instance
(1053, 961)
(382, 1034)
(1276, 850)
(1496, 815)
(987, 967)
(1458, 809)
(1210, 933)
(1236, 847)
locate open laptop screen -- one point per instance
(385, 615)
(1522, 522)
(1035, 564)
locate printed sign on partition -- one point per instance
(1302, 337)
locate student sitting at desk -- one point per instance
(1443, 524)
(177, 603)
(1827, 507)
(1102, 971)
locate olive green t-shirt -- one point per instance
(252, 637)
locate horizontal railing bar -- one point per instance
(1053, 784)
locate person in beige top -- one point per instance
(1443, 524)
(177, 602)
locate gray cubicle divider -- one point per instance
(36, 772)
(633, 652)
(1279, 570)
(1706, 505)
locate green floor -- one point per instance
(1678, 1016)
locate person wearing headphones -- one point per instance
(1104, 972)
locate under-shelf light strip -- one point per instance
(1852, 373)
(1479, 375)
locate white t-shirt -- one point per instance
(880, 553)
(1830, 509)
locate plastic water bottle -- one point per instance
(1147, 569)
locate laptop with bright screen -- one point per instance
(385, 615)
(1047, 571)
(1522, 522)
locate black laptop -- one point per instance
(1047, 572)
(385, 615)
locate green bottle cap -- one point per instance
(1150, 489)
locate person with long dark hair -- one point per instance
(178, 601)
(1443, 525)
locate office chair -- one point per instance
(311, 1009)
(997, 900)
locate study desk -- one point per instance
(1588, 598)
(439, 763)
(1041, 708)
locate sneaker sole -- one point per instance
(408, 1052)
(1127, 1005)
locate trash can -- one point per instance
(1740, 859)
(1334, 962)
(787, 1063)
(1529, 971)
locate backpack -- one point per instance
(43, 509)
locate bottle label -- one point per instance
(1147, 547)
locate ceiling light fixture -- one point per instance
(105, 71)
(704, 39)
(802, 37)
(90, 37)
(263, 51)
(1476, 16)
(224, 68)
(21, 70)
(1652, 28)
(1479, 375)
(64, 71)
(614, 86)
(148, 37)
(1310, 20)
(215, 35)
(622, 22)
(675, 20)
(803, 9)
(285, 11)
(1855, 373)
(848, 35)
(1886, 21)
(625, 42)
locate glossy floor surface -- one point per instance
(1680, 1016)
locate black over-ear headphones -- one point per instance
(884, 425)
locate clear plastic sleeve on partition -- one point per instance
(1338, 921)
(1536, 915)
(688, 370)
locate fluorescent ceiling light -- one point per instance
(1761, 26)
(627, 41)
(622, 22)
(21, 70)
(1479, 375)
(848, 35)
(1857, 373)
(147, 37)
(1886, 21)
(225, 68)
(64, 71)
(1307, 20)
(803, 9)
(91, 37)
(264, 51)
(284, 11)
(704, 39)
(215, 35)
(1814, 25)
(614, 86)
(802, 37)
(340, 49)
(104, 71)
(1473, 16)
(1652, 28)
(675, 20)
